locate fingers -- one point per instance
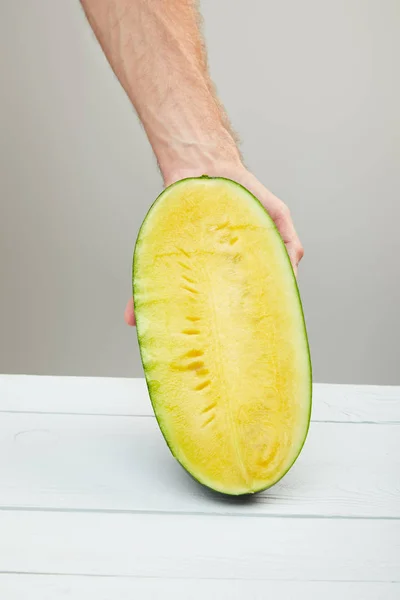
(294, 248)
(129, 314)
(283, 220)
(293, 244)
(280, 214)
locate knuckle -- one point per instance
(299, 251)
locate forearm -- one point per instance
(155, 49)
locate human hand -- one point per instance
(278, 211)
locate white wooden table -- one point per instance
(94, 506)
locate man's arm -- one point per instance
(156, 49)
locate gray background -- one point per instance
(312, 87)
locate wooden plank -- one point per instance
(123, 463)
(50, 587)
(195, 546)
(117, 396)
(356, 403)
(74, 395)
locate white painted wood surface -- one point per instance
(93, 505)
(129, 397)
(50, 587)
(121, 463)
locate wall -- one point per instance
(313, 90)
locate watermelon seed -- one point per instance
(209, 407)
(211, 418)
(188, 279)
(194, 353)
(202, 385)
(183, 265)
(189, 289)
(195, 365)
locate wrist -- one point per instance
(218, 168)
(213, 156)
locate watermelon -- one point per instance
(222, 335)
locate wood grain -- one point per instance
(121, 463)
(113, 396)
(198, 546)
(92, 504)
(51, 587)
